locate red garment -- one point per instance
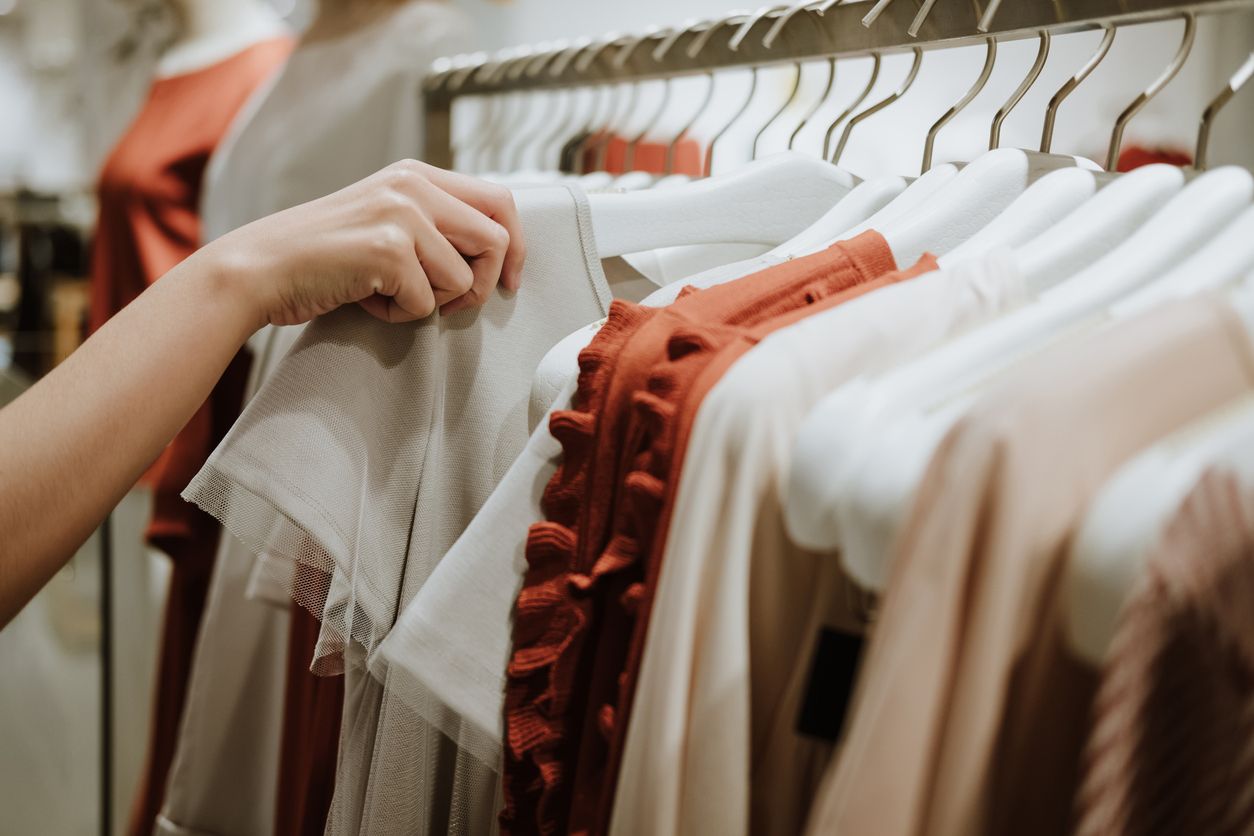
(695, 362)
(149, 193)
(573, 617)
(1136, 156)
(311, 735)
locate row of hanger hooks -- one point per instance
(611, 68)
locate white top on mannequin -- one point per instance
(214, 30)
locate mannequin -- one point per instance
(213, 30)
(339, 17)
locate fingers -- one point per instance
(479, 239)
(498, 204)
(406, 298)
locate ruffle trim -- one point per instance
(560, 598)
(554, 605)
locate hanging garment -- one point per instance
(969, 715)
(225, 768)
(148, 194)
(575, 592)
(737, 607)
(1168, 748)
(447, 654)
(413, 425)
(223, 775)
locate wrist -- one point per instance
(230, 286)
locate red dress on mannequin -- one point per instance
(149, 195)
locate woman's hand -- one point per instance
(401, 243)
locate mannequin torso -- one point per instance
(336, 18)
(213, 30)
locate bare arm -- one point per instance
(400, 243)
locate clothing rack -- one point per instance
(811, 31)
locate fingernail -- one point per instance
(453, 307)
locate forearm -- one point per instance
(72, 445)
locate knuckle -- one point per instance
(392, 243)
(501, 198)
(498, 237)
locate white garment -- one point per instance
(326, 120)
(454, 638)
(861, 451)
(711, 733)
(360, 463)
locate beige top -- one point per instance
(969, 716)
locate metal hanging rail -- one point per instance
(819, 31)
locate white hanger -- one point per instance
(1094, 228)
(986, 187)
(863, 203)
(930, 390)
(980, 192)
(766, 202)
(1226, 258)
(1046, 201)
(977, 195)
(1188, 220)
(1230, 255)
(1043, 204)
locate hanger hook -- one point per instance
(629, 158)
(701, 109)
(873, 15)
(782, 21)
(548, 140)
(1051, 112)
(546, 114)
(876, 62)
(990, 58)
(753, 86)
(876, 108)
(588, 56)
(792, 97)
(608, 134)
(818, 102)
(630, 45)
(1238, 80)
(746, 27)
(608, 97)
(699, 42)
(986, 20)
(672, 37)
(1182, 55)
(1042, 55)
(566, 56)
(920, 18)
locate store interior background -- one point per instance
(72, 74)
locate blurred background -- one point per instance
(74, 74)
